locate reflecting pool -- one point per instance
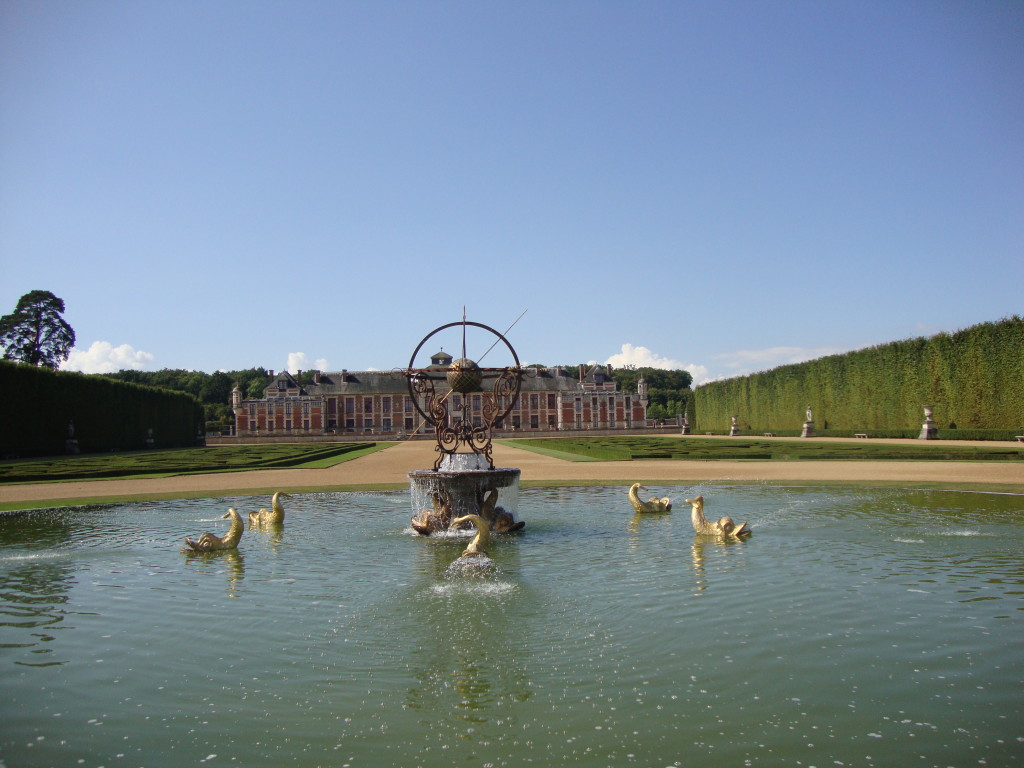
(856, 627)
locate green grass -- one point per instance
(227, 458)
(639, 448)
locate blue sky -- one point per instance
(720, 186)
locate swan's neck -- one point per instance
(235, 532)
(700, 522)
(483, 534)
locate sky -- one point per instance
(723, 187)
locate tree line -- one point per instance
(213, 390)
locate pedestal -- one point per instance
(808, 429)
(928, 430)
(71, 446)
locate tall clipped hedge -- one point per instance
(36, 405)
(974, 378)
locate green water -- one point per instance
(855, 628)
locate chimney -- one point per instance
(583, 372)
(316, 377)
(344, 374)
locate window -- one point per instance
(534, 423)
(385, 405)
(552, 401)
(533, 401)
(367, 405)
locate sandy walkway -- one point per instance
(391, 467)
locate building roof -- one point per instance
(393, 382)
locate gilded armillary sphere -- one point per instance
(446, 396)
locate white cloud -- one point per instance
(700, 373)
(746, 361)
(104, 357)
(728, 365)
(642, 357)
(299, 361)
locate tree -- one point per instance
(35, 333)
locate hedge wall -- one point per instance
(36, 405)
(974, 378)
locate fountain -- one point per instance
(464, 483)
(858, 626)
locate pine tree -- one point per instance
(35, 333)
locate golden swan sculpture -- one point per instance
(497, 518)
(651, 505)
(273, 516)
(207, 542)
(482, 538)
(724, 527)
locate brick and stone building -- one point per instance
(378, 402)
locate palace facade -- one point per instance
(378, 402)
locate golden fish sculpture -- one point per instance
(725, 526)
(651, 505)
(266, 518)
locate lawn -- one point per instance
(641, 447)
(222, 458)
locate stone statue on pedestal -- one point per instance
(808, 430)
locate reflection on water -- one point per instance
(855, 627)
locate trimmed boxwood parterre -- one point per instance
(634, 448)
(232, 458)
